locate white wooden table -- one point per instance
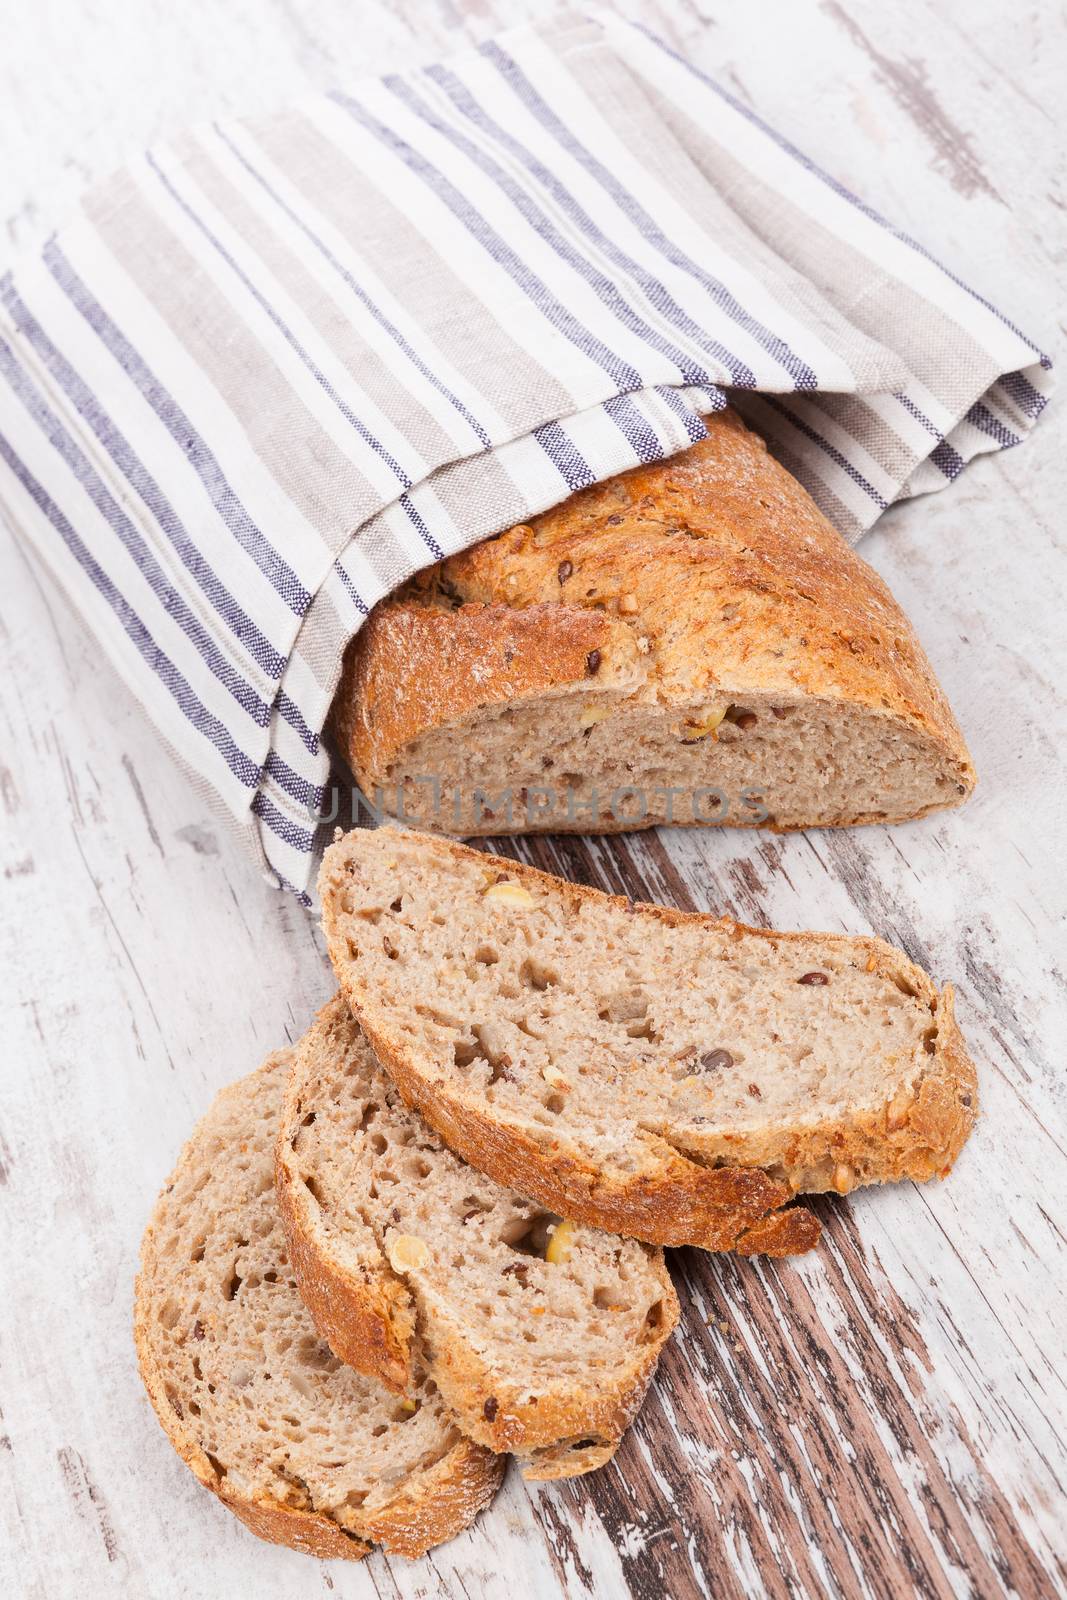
(886, 1416)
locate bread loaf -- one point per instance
(689, 642)
(305, 1451)
(540, 1334)
(673, 1077)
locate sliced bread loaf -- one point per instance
(689, 642)
(669, 1076)
(541, 1335)
(305, 1451)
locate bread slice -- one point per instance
(669, 1076)
(305, 1451)
(689, 642)
(541, 1337)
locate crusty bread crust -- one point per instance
(919, 1138)
(718, 1192)
(446, 1499)
(367, 1319)
(452, 663)
(713, 572)
(438, 1504)
(725, 1208)
(309, 1531)
(558, 1438)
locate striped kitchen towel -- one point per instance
(274, 368)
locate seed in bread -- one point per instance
(305, 1451)
(692, 628)
(541, 1335)
(714, 1070)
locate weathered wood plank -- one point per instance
(883, 1418)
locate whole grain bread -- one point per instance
(689, 642)
(305, 1451)
(541, 1336)
(673, 1077)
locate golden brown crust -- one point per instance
(439, 1503)
(449, 1497)
(735, 1203)
(568, 1460)
(680, 1203)
(544, 1432)
(452, 663)
(717, 564)
(309, 1531)
(918, 1136)
(368, 1321)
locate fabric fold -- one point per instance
(273, 369)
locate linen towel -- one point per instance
(274, 368)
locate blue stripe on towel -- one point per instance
(200, 457)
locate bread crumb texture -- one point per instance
(692, 625)
(541, 1333)
(306, 1451)
(712, 1070)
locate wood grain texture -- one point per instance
(884, 1418)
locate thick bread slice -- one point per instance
(388, 1230)
(305, 1451)
(668, 1076)
(689, 642)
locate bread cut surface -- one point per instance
(541, 1335)
(670, 1076)
(305, 1451)
(689, 642)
